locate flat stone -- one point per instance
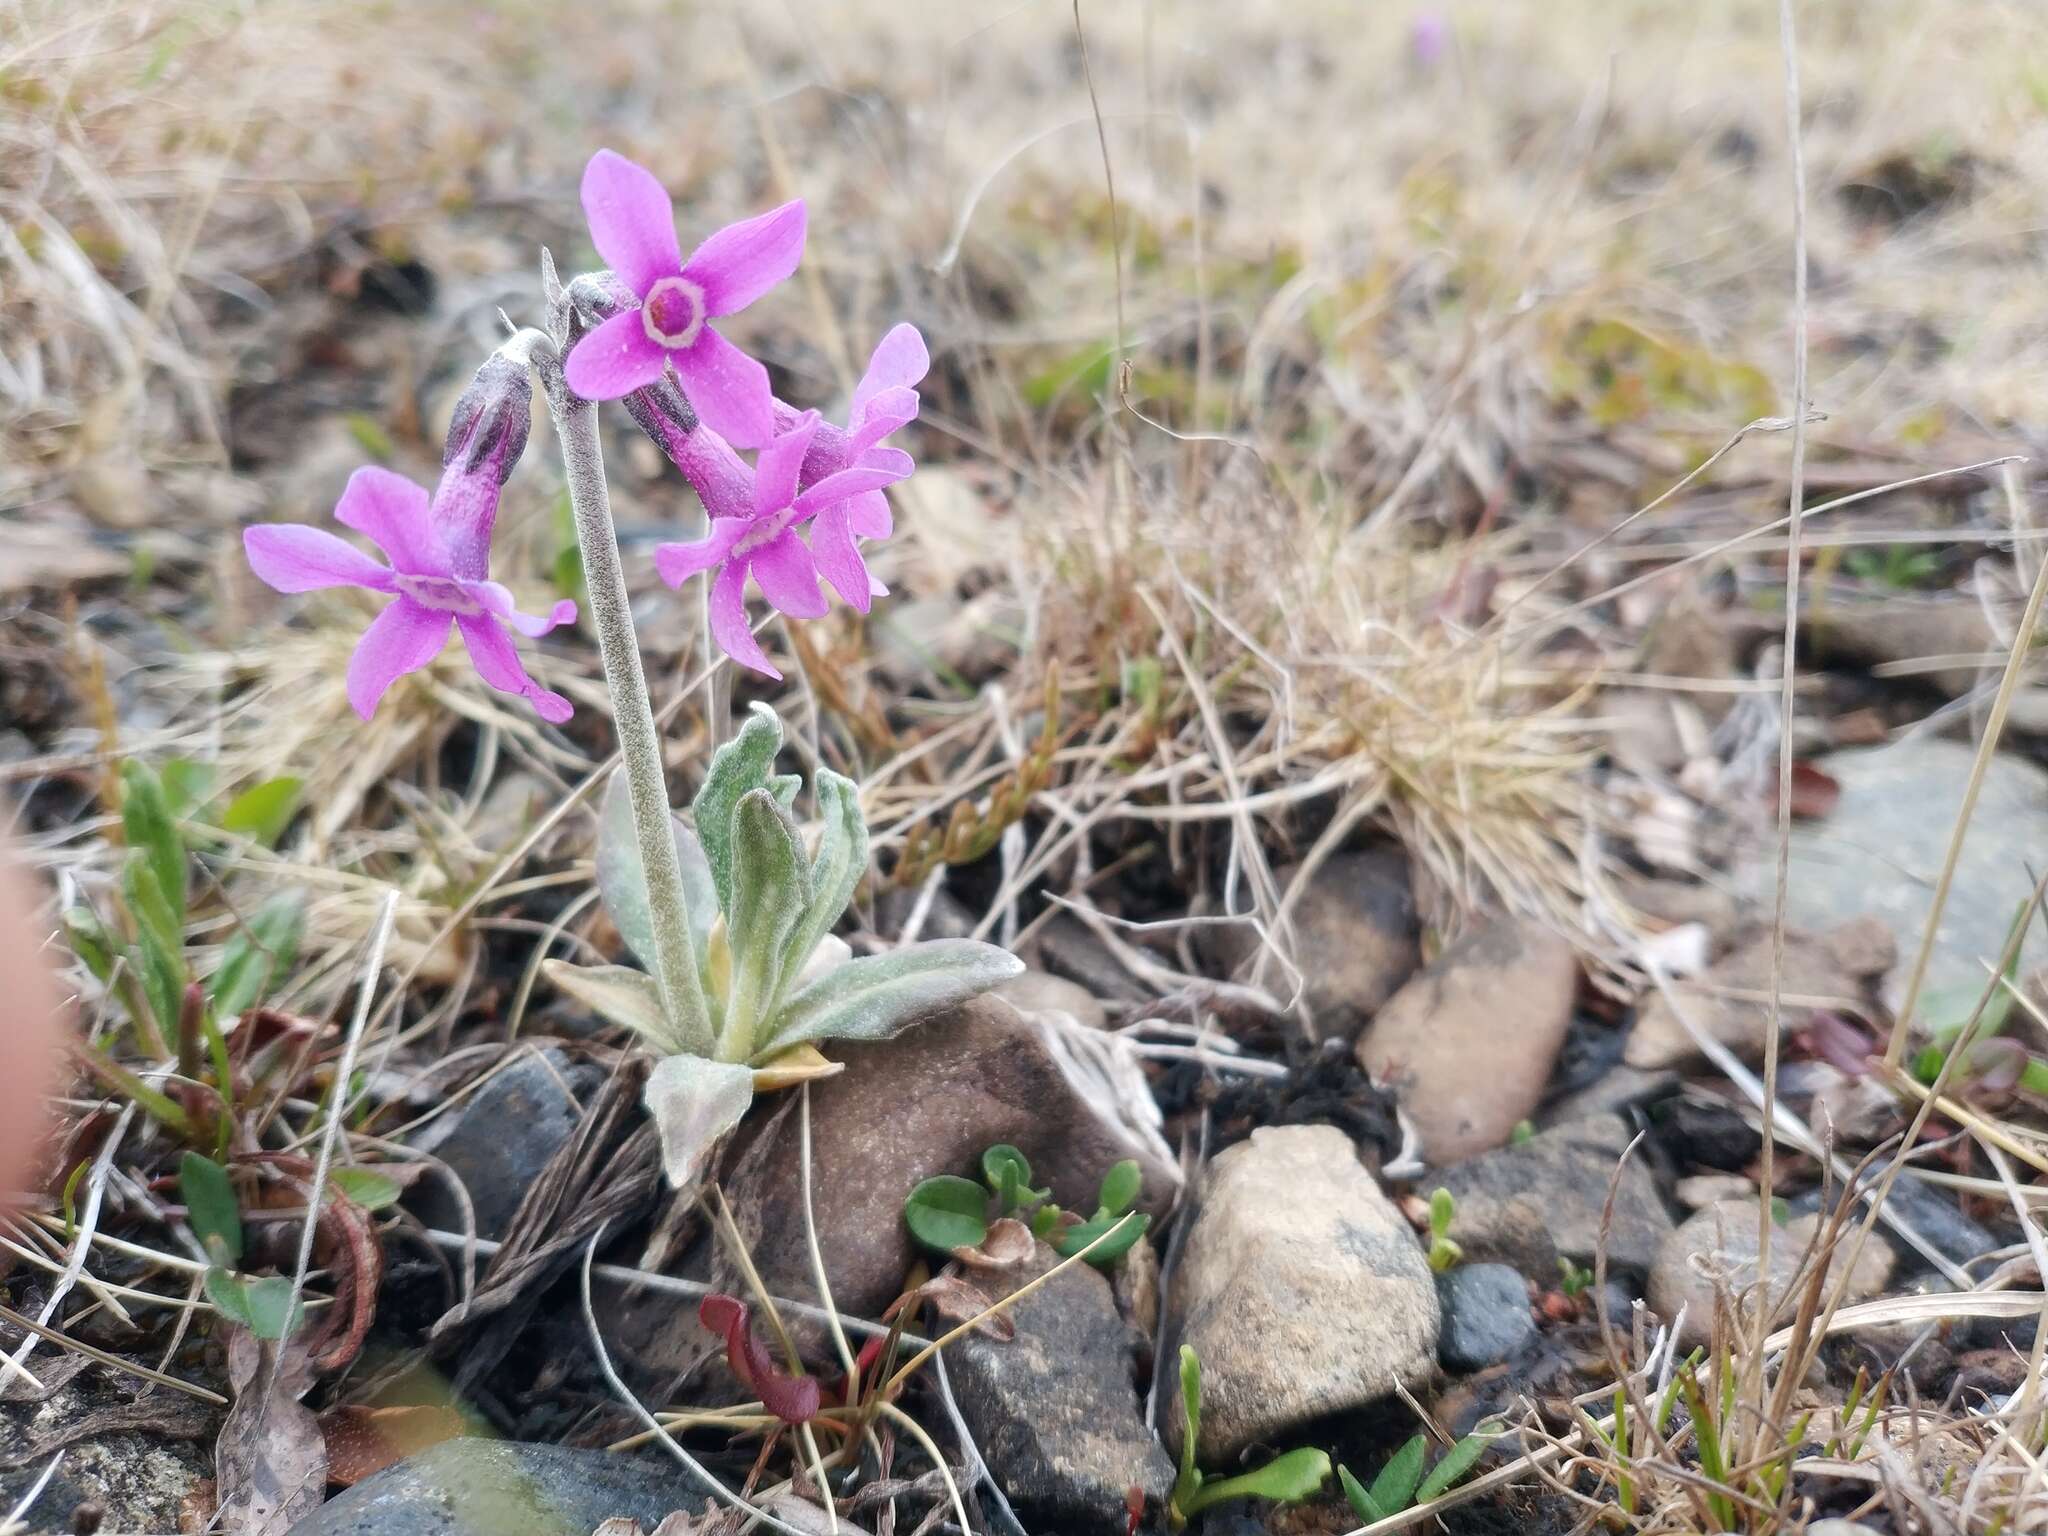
(1356, 939)
(1041, 992)
(491, 1487)
(1534, 1202)
(1700, 1190)
(1055, 1409)
(1469, 1042)
(500, 1138)
(1300, 1287)
(1880, 851)
(1486, 1315)
(1722, 1240)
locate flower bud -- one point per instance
(492, 418)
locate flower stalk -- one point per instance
(618, 648)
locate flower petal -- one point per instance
(497, 663)
(498, 599)
(677, 563)
(848, 483)
(728, 388)
(401, 639)
(729, 620)
(838, 557)
(776, 471)
(294, 558)
(392, 511)
(900, 359)
(632, 223)
(869, 516)
(879, 415)
(617, 358)
(744, 260)
(788, 578)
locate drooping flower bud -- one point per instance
(491, 421)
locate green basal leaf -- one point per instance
(1044, 1220)
(1082, 1233)
(147, 825)
(271, 1313)
(694, 1101)
(90, 941)
(1009, 1177)
(841, 861)
(771, 892)
(877, 996)
(229, 1292)
(620, 995)
(259, 954)
(1361, 1502)
(1394, 1489)
(622, 887)
(368, 1188)
(1121, 1187)
(211, 1209)
(1442, 1210)
(947, 1212)
(1285, 1479)
(159, 939)
(1191, 1409)
(264, 810)
(1457, 1461)
(737, 769)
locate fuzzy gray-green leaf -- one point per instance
(623, 996)
(737, 768)
(879, 995)
(622, 885)
(771, 892)
(694, 1102)
(836, 871)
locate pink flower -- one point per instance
(761, 540)
(633, 225)
(439, 550)
(883, 402)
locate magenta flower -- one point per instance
(883, 402)
(439, 550)
(761, 540)
(633, 225)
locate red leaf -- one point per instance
(792, 1399)
(1813, 793)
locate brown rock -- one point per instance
(1038, 992)
(1841, 966)
(1469, 1043)
(930, 1102)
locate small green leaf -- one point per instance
(186, 785)
(1121, 1187)
(619, 995)
(737, 768)
(368, 1188)
(264, 810)
(258, 955)
(947, 1212)
(1442, 1209)
(1457, 1462)
(1284, 1479)
(148, 827)
(160, 940)
(228, 1292)
(90, 941)
(836, 872)
(271, 1312)
(1007, 1174)
(1394, 1489)
(1191, 1410)
(211, 1208)
(1082, 1233)
(622, 887)
(1361, 1502)
(1044, 1220)
(878, 996)
(694, 1102)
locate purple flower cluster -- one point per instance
(809, 476)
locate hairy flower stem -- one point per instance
(675, 968)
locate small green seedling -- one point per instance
(1443, 1253)
(264, 1307)
(1285, 1479)
(1402, 1483)
(1573, 1279)
(948, 1212)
